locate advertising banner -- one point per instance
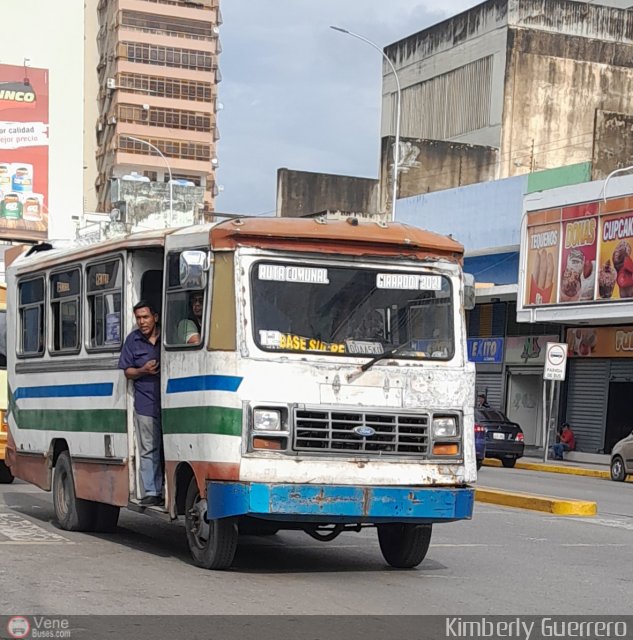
(527, 349)
(600, 342)
(542, 261)
(579, 252)
(23, 153)
(615, 277)
(485, 350)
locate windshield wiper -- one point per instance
(370, 363)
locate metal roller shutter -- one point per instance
(587, 398)
(492, 385)
(622, 369)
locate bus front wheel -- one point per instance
(212, 543)
(404, 546)
(72, 513)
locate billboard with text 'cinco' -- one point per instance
(23, 153)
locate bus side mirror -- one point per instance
(193, 269)
(469, 291)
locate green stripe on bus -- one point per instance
(86, 420)
(218, 420)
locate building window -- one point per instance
(152, 175)
(168, 25)
(31, 314)
(104, 293)
(159, 117)
(167, 56)
(65, 292)
(166, 87)
(170, 148)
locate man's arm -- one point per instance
(148, 369)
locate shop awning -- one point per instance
(494, 268)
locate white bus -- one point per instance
(330, 389)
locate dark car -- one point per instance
(480, 444)
(504, 438)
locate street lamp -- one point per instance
(171, 186)
(396, 152)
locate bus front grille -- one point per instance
(361, 432)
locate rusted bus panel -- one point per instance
(30, 468)
(222, 336)
(101, 482)
(334, 237)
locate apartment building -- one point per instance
(157, 75)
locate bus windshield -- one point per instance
(352, 311)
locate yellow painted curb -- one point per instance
(546, 504)
(555, 468)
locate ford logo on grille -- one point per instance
(364, 432)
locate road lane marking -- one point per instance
(605, 522)
(18, 530)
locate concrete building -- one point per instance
(507, 88)
(157, 82)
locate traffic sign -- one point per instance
(555, 361)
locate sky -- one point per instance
(298, 95)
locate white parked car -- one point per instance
(622, 459)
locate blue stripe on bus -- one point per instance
(100, 389)
(204, 383)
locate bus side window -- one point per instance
(184, 326)
(31, 317)
(104, 294)
(65, 310)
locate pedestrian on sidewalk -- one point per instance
(567, 442)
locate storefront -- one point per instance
(524, 361)
(600, 388)
(487, 354)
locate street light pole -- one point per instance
(171, 186)
(396, 152)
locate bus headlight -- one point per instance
(445, 427)
(266, 420)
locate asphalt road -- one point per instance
(504, 561)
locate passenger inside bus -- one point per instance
(190, 328)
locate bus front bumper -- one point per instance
(339, 504)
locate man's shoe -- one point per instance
(150, 501)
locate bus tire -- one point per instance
(72, 513)
(404, 546)
(6, 477)
(106, 517)
(212, 543)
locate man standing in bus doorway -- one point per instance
(140, 360)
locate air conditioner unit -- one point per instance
(111, 83)
(112, 120)
(215, 162)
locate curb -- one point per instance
(546, 504)
(553, 468)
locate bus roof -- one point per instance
(289, 234)
(334, 236)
